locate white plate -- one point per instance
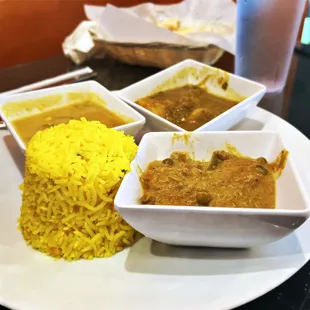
(149, 275)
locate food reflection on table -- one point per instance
(229, 179)
(188, 107)
(91, 107)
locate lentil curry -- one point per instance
(189, 106)
(227, 180)
(27, 126)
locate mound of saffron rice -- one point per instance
(72, 174)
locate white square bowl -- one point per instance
(112, 103)
(252, 91)
(213, 226)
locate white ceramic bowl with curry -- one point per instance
(191, 96)
(217, 189)
(27, 113)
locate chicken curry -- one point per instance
(227, 180)
(189, 106)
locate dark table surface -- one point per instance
(293, 105)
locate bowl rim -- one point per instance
(218, 210)
(215, 210)
(6, 100)
(189, 62)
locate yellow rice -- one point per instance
(72, 174)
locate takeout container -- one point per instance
(213, 226)
(193, 72)
(14, 107)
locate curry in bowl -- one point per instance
(191, 96)
(188, 107)
(172, 214)
(229, 179)
(61, 111)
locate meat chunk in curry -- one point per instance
(227, 180)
